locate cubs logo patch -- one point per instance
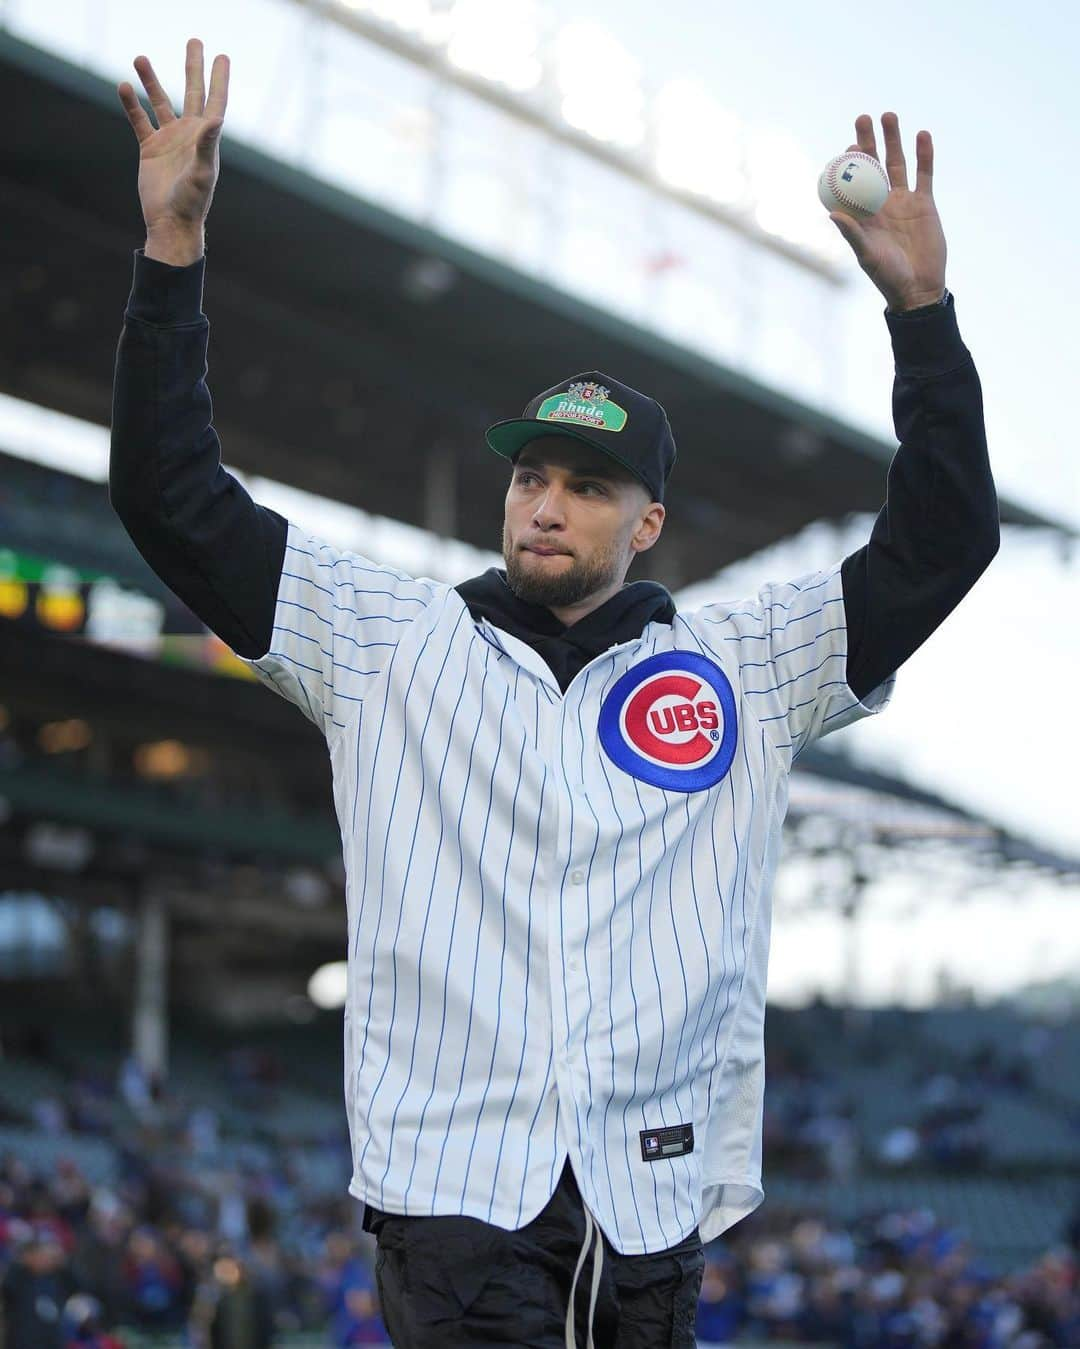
(670, 721)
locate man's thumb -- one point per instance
(850, 229)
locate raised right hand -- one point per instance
(178, 162)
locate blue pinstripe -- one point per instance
(449, 945)
(668, 801)
(427, 915)
(353, 562)
(771, 635)
(476, 949)
(588, 907)
(708, 961)
(637, 1029)
(562, 961)
(758, 664)
(833, 655)
(633, 997)
(357, 590)
(502, 973)
(382, 892)
(670, 855)
(525, 1032)
(557, 1158)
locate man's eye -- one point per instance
(592, 487)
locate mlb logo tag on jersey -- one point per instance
(674, 1141)
(670, 721)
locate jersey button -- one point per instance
(578, 876)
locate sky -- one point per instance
(995, 85)
(981, 713)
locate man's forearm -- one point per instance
(938, 529)
(192, 521)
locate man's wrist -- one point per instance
(925, 301)
(177, 246)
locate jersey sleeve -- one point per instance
(337, 622)
(791, 647)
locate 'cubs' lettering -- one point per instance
(685, 717)
(663, 721)
(707, 716)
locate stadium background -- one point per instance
(171, 1122)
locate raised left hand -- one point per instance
(901, 248)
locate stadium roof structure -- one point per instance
(338, 367)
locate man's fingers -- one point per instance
(136, 113)
(194, 86)
(219, 87)
(895, 163)
(159, 100)
(864, 134)
(924, 156)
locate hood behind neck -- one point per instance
(567, 649)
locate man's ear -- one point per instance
(649, 527)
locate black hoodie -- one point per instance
(222, 553)
(567, 650)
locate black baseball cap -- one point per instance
(599, 411)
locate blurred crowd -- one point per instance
(940, 1116)
(79, 1261)
(894, 1281)
(153, 1252)
(228, 1240)
(235, 1242)
(810, 1125)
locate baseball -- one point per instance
(854, 183)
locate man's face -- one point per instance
(574, 520)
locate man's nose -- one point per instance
(550, 512)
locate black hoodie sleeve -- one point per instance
(938, 529)
(195, 525)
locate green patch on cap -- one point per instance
(583, 405)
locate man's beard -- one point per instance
(569, 586)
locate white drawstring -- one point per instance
(594, 1237)
(597, 1266)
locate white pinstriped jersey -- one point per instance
(558, 904)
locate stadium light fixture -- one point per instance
(164, 760)
(412, 16)
(781, 183)
(62, 737)
(698, 143)
(497, 40)
(599, 84)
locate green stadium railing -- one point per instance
(57, 795)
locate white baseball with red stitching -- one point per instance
(854, 183)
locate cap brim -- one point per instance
(508, 437)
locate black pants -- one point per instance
(452, 1282)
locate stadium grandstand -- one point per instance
(173, 1150)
